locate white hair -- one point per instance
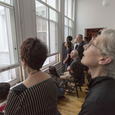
(75, 52)
(108, 48)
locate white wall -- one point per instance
(91, 14)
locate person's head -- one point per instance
(100, 53)
(85, 39)
(33, 53)
(79, 38)
(68, 44)
(74, 54)
(99, 32)
(70, 38)
(52, 70)
(4, 90)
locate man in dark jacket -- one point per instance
(79, 47)
(80, 50)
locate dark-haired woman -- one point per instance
(67, 59)
(38, 94)
(52, 71)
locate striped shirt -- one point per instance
(40, 99)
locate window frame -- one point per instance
(48, 19)
(16, 22)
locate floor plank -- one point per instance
(71, 105)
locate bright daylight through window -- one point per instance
(47, 27)
(8, 43)
(69, 17)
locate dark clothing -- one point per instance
(80, 49)
(64, 48)
(68, 51)
(76, 68)
(67, 63)
(101, 97)
(40, 99)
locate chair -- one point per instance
(77, 79)
(77, 82)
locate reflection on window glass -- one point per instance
(47, 28)
(42, 30)
(7, 1)
(9, 75)
(53, 15)
(70, 23)
(66, 22)
(51, 59)
(73, 8)
(70, 31)
(66, 7)
(52, 3)
(44, 0)
(66, 32)
(70, 8)
(8, 43)
(41, 9)
(53, 38)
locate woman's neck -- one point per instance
(95, 72)
(31, 71)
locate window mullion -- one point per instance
(49, 28)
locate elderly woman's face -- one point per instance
(92, 53)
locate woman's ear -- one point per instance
(23, 62)
(105, 60)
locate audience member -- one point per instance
(4, 90)
(38, 94)
(67, 59)
(70, 38)
(52, 71)
(86, 40)
(75, 67)
(99, 56)
(79, 48)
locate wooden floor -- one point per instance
(71, 105)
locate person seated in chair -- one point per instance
(74, 68)
(52, 71)
(4, 90)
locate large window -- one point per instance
(47, 26)
(69, 17)
(8, 42)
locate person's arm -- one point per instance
(67, 57)
(69, 69)
(13, 104)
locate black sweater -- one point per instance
(101, 97)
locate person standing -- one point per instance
(79, 47)
(67, 59)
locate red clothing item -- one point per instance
(2, 107)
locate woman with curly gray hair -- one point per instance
(99, 56)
